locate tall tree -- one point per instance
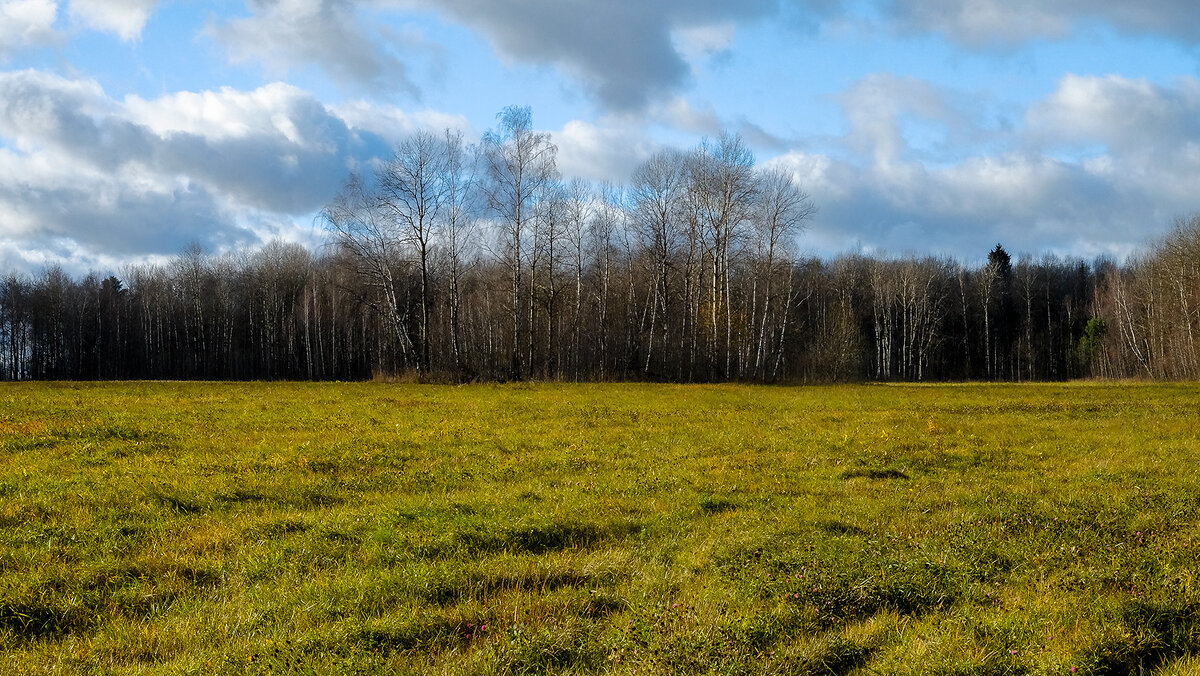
(373, 244)
(782, 211)
(520, 164)
(577, 219)
(995, 281)
(416, 186)
(724, 186)
(657, 191)
(459, 231)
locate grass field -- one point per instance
(188, 528)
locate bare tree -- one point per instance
(374, 244)
(723, 188)
(520, 164)
(414, 190)
(578, 210)
(783, 210)
(605, 237)
(657, 192)
(277, 275)
(460, 230)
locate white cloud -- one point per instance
(690, 120)
(30, 23)
(25, 23)
(37, 108)
(1140, 170)
(140, 177)
(703, 41)
(600, 153)
(1130, 117)
(393, 123)
(273, 110)
(678, 113)
(124, 18)
(1141, 137)
(54, 203)
(815, 173)
(896, 117)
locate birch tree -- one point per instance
(520, 163)
(373, 243)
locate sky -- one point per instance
(131, 129)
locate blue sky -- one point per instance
(131, 128)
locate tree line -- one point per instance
(459, 263)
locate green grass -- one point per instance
(188, 528)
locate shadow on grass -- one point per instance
(874, 473)
(1150, 634)
(543, 537)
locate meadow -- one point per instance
(372, 528)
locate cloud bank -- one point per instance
(1096, 165)
(137, 177)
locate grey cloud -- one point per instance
(621, 50)
(809, 16)
(284, 34)
(963, 211)
(760, 138)
(625, 52)
(129, 223)
(986, 23)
